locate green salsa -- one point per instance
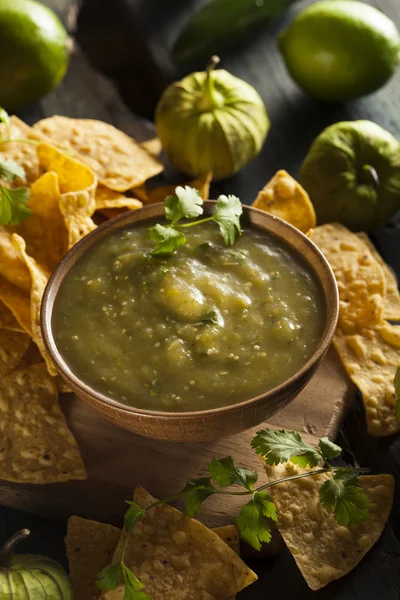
(209, 326)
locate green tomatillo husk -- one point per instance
(211, 121)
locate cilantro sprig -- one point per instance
(339, 494)
(13, 208)
(187, 204)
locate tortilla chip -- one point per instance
(106, 198)
(230, 535)
(360, 278)
(322, 549)
(91, 545)
(18, 301)
(44, 231)
(13, 346)
(118, 161)
(12, 267)
(36, 444)
(40, 278)
(77, 184)
(371, 358)
(391, 308)
(284, 197)
(158, 194)
(7, 319)
(179, 558)
(153, 146)
(24, 154)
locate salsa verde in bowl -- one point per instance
(202, 343)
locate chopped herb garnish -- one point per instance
(210, 317)
(187, 203)
(9, 170)
(340, 495)
(13, 209)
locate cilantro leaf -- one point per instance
(328, 449)
(225, 473)
(9, 170)
(167, 239)
(198, 491)
(109, 578)
(132, 515)
(209, 317)
(132, 584)
(227, 215)
(13, 209)
(252, 522)
(5, 118)
(397, 388)
(187, 202)
(341, 494)
(279, 446)
(132, 594)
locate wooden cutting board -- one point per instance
(117, 460)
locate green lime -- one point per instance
(337, 50)
(33, 52)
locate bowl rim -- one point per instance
(130, 218)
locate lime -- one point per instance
(337, 50)
(33, 52)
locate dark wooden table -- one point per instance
(129, 40)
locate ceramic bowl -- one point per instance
(208, 424)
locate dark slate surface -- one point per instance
(130, 41)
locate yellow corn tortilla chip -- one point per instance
(7, 319)
(18, 301)
(39, 278)
(44, 231)
(360, 278)
(90, 547)
(21, 152)
(284, 197)
(35, 442)
(153, 146)
(371, 358)
(179, 558)
(158, 194)
(118, 161)
(13, 346)
(391, 308)
(106, 198)
(322, 549)
(12, 267)
(230, 535)
(77, 184)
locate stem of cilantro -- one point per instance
(199, 222)
(19, 140)
(184, 493)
